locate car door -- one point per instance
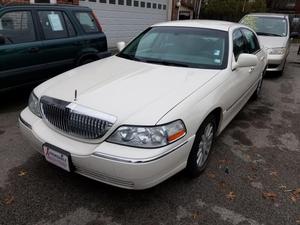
(235, 90)
(19, 54)
(60, 45)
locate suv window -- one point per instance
(87, 21)
(17, 27)
(239, 45)
(252, 42)
(53, 24)
(70, 26)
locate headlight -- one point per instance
(276, 51)
(148, 137)
(34, 105)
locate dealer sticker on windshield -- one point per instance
(57, 157)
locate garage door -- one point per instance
(122, 20)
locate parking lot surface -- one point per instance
(253, 176)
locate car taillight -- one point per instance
(97, 21)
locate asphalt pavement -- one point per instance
(253, 177)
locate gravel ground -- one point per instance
(252, 178)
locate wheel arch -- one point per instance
(86, 56)
(217, 112)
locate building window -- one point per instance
(159, 6)
(92, 0)
(143, 4)
(102, 1)
(121, 2)
(165, 7)
(136, 3)
(154, 5)
(112, 1)
(148, 5)
(129, 2)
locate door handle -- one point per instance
(34, 50)
(262, 58)
(251, 69)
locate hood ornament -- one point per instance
(75, 97)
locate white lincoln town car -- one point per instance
(137, 118)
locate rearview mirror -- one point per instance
(121, 45)
(2, 39)
(245, 60)
(294, 35)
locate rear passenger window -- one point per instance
(53, 24)
(17, 27)
(252, 42)
(87, 21)
(239, 45)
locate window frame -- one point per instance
(244, 40)
(34, 22)
(80, 25)
(64, 21)
(256, 40)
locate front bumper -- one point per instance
(276, 62)
(93, 160)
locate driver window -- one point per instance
(239, 45)
(17, 27)
(252, 42)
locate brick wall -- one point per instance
(297, 8)
(16, 1)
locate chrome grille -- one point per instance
(78, 124)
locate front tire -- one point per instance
(201, 149)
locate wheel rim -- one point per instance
(205, 145)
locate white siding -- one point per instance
(122, 22)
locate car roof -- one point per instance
(279, 15)
(42, 5)
(209, 24)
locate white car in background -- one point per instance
(137, 118)
(273, 31)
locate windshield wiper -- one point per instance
(132, 57)
(268, 34)
(166, 63)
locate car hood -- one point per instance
(133, 92)
(273, 42)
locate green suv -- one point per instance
(39, 41)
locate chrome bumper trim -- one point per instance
(138, 161)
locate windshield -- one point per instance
(180, 46)
(267, 26)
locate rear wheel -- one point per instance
(201, 150)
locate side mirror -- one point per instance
(2, 39)
(294, 35)
(245, 60)
(121, 45)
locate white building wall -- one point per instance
(122, 22)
